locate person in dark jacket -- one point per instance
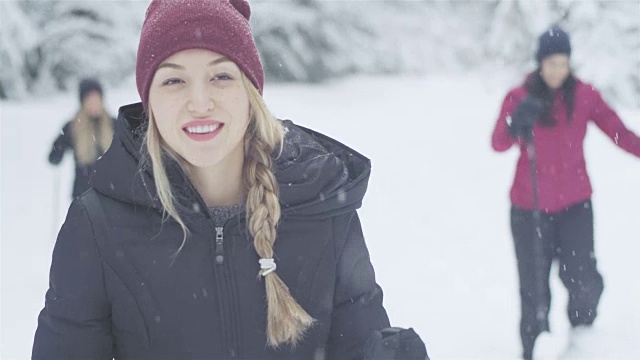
(551, 110)
(213, 230)
(88, 135)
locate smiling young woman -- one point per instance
(215, 230)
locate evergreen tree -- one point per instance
(78, 39)
(47, 45)
(18, 35)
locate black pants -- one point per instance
(568, 237)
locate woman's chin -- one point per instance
(202, 162)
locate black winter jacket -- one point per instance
(119, 293)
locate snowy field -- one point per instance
(435, 216)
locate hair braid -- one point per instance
(287, 321)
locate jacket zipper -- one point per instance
(224, 283)
(219, 251)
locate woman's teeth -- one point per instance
(202, 129)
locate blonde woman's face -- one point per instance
(200, 107)
(555, 70)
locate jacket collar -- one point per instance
(318, 176)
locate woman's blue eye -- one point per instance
(172, 81)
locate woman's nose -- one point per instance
(201, 101)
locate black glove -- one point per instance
(395, 344)
(525, 117)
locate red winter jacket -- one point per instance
(562, 174)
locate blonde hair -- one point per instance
(89, 141)
(287, 321)
(155, 145)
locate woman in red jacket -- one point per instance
(550, 111)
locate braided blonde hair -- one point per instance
(287, 321)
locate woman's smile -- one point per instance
(202, 130)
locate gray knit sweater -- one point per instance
(221, 214)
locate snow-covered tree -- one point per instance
(451, 34)
(48, 44)
(316, 40)
(18, 35)
(78, 39)
(606, 46)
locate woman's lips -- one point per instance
(202, 130)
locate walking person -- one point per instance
(547, 116)
(214, 230)
(88, 135)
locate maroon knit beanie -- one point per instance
(171, 26)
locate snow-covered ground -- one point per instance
(435, 216)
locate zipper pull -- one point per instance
(219, 245)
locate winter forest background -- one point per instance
(414, 85)
(46, 45)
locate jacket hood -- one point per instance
(318, 176)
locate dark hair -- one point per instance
(536, 86)
(87, 86)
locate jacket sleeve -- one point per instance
(76, 320)
(358, 309)
(60, 145)
(500, 139)
(609, 122)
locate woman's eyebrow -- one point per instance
(180, 67)
(218, 61)
(171, 66)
